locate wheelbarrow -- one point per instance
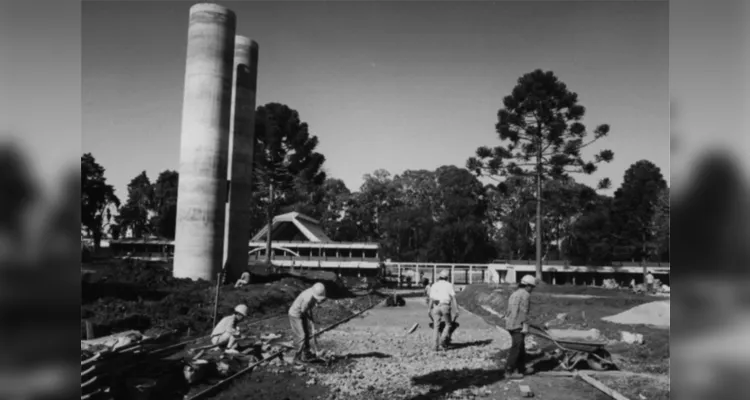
(571, 353)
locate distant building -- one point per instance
(297, 241)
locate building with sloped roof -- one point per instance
(298, 240)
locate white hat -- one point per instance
(444, 274)
(528, 280)
(241, 309)
(319, 291)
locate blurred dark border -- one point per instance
(40, 137)
(710, 233)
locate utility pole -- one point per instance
(270, 222)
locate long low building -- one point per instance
(556, 272)
(297, 241)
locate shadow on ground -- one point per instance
(477, 343)
(451, 380)
(372, 354)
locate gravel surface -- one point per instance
(389, 363)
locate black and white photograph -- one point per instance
(375, 200)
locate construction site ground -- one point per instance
(376, 359)
(380, 360)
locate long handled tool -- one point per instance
(220, 384)
(315, 339)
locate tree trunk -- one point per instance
(269, 221)
(643, 257)
(97, 236)
(539, 220)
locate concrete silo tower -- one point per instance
(204, 142)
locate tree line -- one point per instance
(532, 207)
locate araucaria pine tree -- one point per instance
(542, 137)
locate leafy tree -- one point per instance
(406, 232)
(589, 240)
(660, 223)
(460, 233)
(326, 203)
(564, 202)
(164, 221)
(97, 198)
(509, 207)
(286, 164)
(134, 214)
(635, 204)
(541, 124)
(377, 196)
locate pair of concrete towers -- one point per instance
(216, 149)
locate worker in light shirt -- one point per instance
(443, 308)
(517, 324)
(227, 330)
(301, 319)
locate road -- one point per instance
(389, 364)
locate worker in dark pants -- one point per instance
(517, 324)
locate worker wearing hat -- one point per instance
(226, 331)
(517, 324)
(443, 308)
(301, 318)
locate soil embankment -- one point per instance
(580, 313)
(123, 295)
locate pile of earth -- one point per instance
(124, 295)
(581, 313)
(655, 313)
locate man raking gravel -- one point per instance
(301, 319)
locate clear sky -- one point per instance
(393, 85)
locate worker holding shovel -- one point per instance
(301, 319)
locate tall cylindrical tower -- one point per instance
(202, 192)
(241, 156)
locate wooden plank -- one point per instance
(604, 388)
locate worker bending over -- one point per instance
(301, 318)
(443, 308)
(227, 330)
(244, 280)
(517, 324)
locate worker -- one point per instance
(244, 280)
(301, 318)
(227, 330)
(649, 282)
(517, 324)
(443, 308)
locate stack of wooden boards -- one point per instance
(107, 362)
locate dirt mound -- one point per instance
(121, 295)
(655, 313)
(485, 301)
(335, 287)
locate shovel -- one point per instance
(315, 339)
